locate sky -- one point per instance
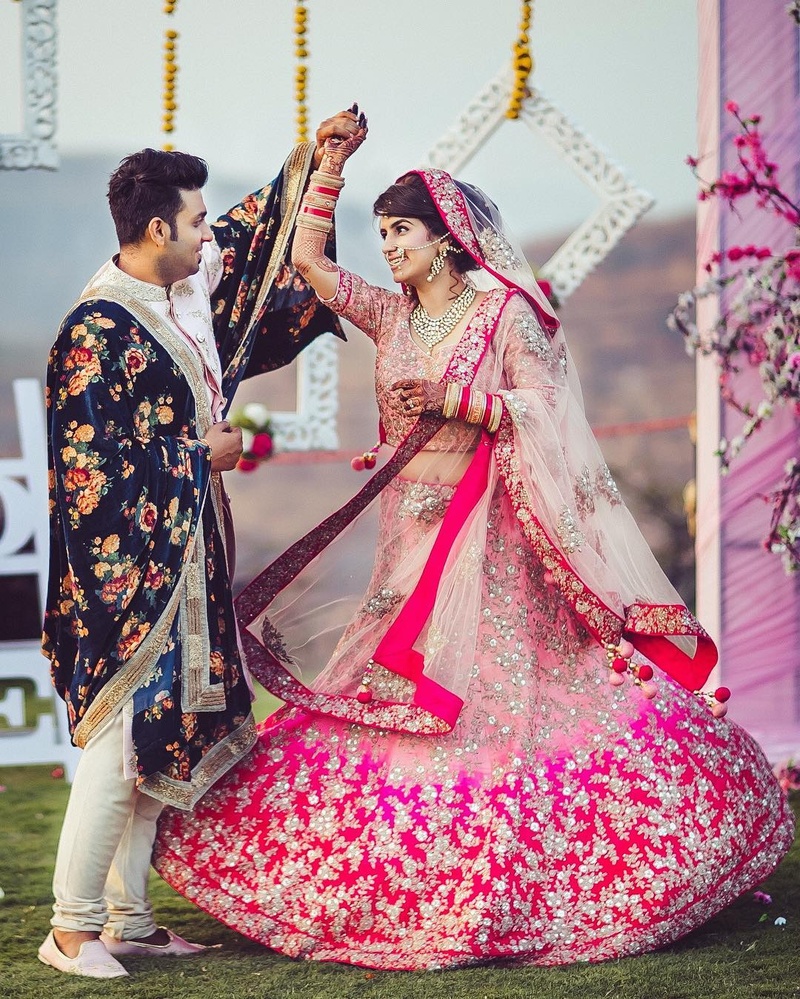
(624, 70)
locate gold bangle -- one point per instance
(496, 414)
(311, 222)
(319, 200)
(327, 179)
(452, 395)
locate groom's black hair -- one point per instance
(148, 185)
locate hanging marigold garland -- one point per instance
(523, 63)
(170, 73)
(301, 76)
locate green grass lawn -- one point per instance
(738, 955)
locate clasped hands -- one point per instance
(414, 396)
(340, 135)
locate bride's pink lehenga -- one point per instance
(497, 796)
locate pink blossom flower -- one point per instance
(762, 897)
(756, 328)
(793, 269)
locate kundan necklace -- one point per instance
(432, 331)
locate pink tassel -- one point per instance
(616, 679)
(650, 690)
(625, 649)
(366, 460)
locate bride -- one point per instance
(499, 751)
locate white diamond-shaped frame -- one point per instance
(622, 203)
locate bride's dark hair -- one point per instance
(409, 198)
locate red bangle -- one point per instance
(329, 192)
(319, 212)
(463, 404)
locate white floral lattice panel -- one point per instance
(312, 427)
(35, 146)
(621, 202)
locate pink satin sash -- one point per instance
(395, 651)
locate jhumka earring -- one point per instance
(437, 264)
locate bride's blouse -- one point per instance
(385, 316)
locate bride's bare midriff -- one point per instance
(440, 467)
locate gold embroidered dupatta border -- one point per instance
(295, 173)
(216, 762)
(190, 588)
(647, 626)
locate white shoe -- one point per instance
(93, 960)
(175, 947)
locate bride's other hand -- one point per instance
(415, 396)
(338, 138)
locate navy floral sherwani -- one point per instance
(139, 616)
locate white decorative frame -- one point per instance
(312, 426)
(621, 202)
(35, 147)
(24, 550)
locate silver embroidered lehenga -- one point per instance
(497, 796)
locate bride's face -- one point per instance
(408, 248)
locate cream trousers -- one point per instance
(103, 859)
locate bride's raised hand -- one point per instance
(338, 138)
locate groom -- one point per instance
(139, 625)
